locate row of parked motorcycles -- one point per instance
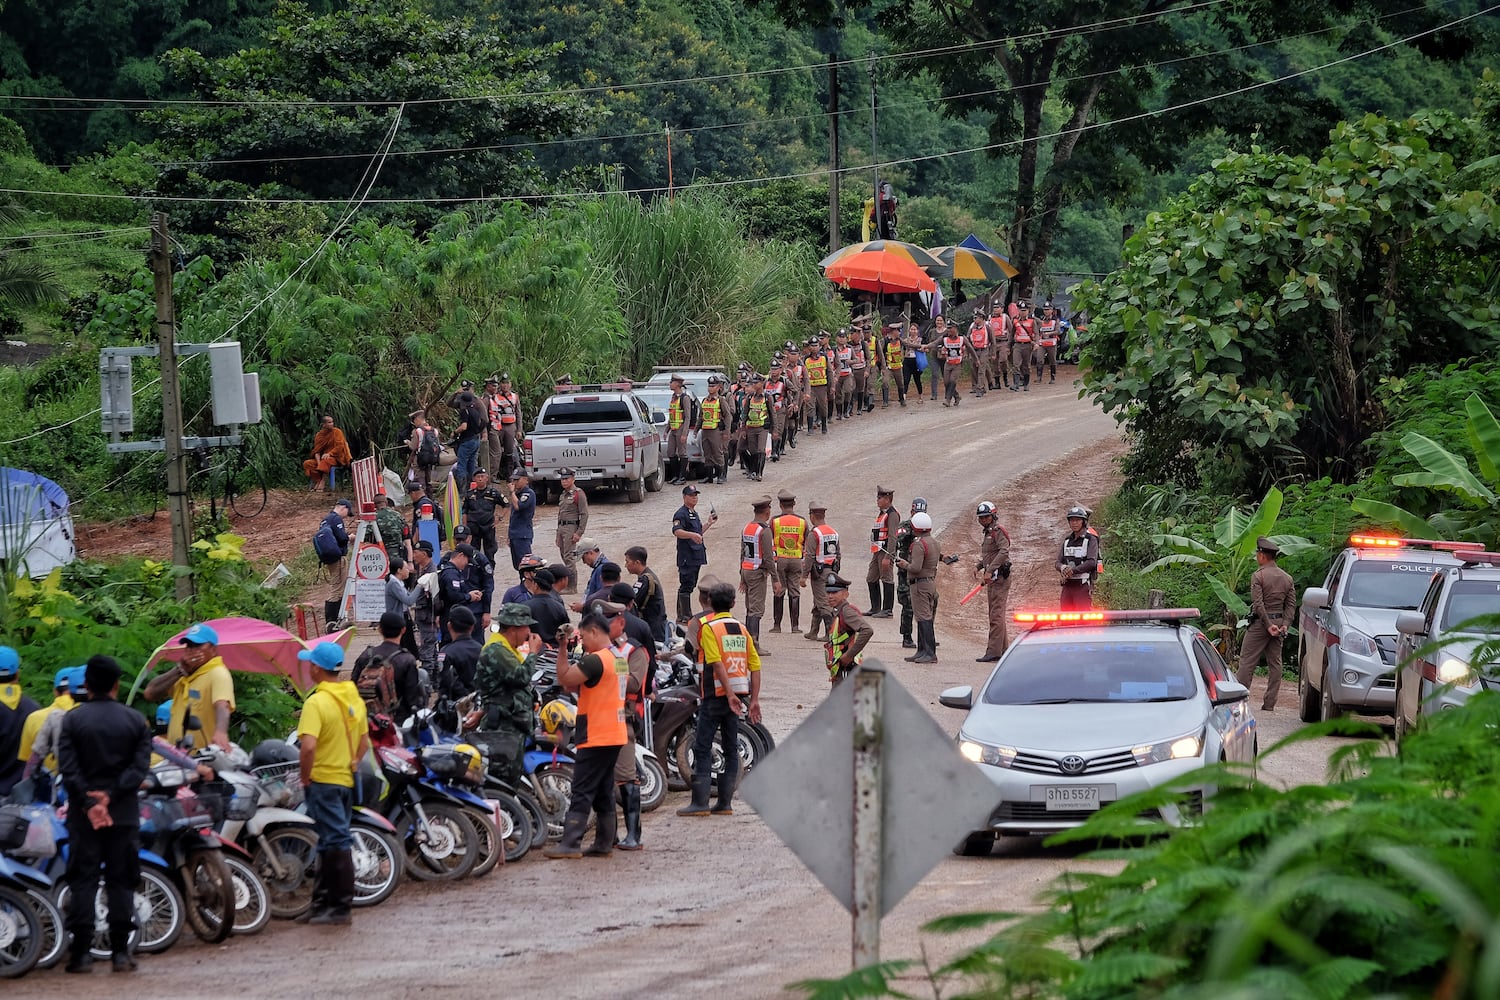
(223, 855)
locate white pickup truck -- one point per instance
(657, 394)
(604, 433)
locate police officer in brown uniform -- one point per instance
(881, 575)
(789, 544)
(1023, 340)
(681, 414)
(815, 366)
(994, 572)
(572, 521)
(1273, 600)
(1078, 562)
(848, 632)
(823, 557)
(756, 565)
(712, 416)
(921, 570)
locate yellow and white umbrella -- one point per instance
(968, 264)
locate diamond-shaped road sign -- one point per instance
(931, 796)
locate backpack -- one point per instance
(326, 545)
(429, 449)
(377, 682)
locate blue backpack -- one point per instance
(326, 545)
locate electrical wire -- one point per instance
(1095, 27)
(93, 233)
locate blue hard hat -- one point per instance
(10, 662)
(62, 678)
(164, 713)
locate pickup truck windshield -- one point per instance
(581, 412)
(1400, 586)
(1471, 599)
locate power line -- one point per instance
(96, 103)
(94, 233)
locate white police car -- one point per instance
(1087, 707)
(1444, 643)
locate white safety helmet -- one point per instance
(921, 522)
(985, 509)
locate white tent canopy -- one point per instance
(36, 528)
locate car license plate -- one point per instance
(1072, 798)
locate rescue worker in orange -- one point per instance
(756, 566)
(330, 448)
(848, 632)
(599, 679)
(505, 418)
(789, 544)
(952, 348)
(979, 348)
(843, 361)
(1023, 339)
(1048, 330)
(993, 571)
(823, 557)
(793, 378)
(711, 420)
(881, 575)
(1000, 346)
(776, 393)
(859, 362)
(731, 685)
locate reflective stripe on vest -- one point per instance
(755, 412)
(1023, 331)
(674, 413)
(603, 705)
(1047, 332)
(825, 545)
(857, 359)
(788, 536)
(752, 546)
(893, 354)
(711, 413)
(734, 650)
(838, 639)
(817, 370)
(880, 531)
(997, 327)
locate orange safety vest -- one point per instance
(953, 350)
(1023, 330)
(825, 545)
(817, 370)
(711, 413)
(845, 355)
(755, 412)
(1047, 332)
(503, 408)
(996, 326)
(601, 708)
(880, 531)
(752, 546)
(788, 536)
(634, 703)
(674, 413)
(893, 354)
(774, 392)
(857, 358)
(979, 336)
(734, 651)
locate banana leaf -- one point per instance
(1291, 545)
(1484, 438)
(1237, 533)
(1389, 515)
(1180, 559)
(1182, 544)
(1445, 470)
(1231, 600)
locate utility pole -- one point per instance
(171, 405)
(833, 146)
(874, 158)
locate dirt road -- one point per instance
(719, 907)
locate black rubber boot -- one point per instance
(778, 605)
(571, 844)
(340, 887)
(684, 607)
(874, 599)
(794, 605)
(926, 643)
(888, 600)
(322, 874)
(724, 804)
(630, 805)
(699, 805)
(813, 627)
(752, 625)
(604, 829)
(120, 958)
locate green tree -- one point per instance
(1254, 316)
(276, 125)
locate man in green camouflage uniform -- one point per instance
(503, 681)
(392, 527)
(903, 588)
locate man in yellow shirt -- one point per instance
(731, 684)
(199, 685)
(333, 734)
(36, 751)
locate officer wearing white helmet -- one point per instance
(993, 571)
(921, 572)
(1078, 562)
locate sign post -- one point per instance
(868, 795)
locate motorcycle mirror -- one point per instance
(192, 724)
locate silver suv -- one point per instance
(1439, 641)
(1347, 648)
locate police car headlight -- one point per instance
(1457, 672)
(1182, 748)
(1356, 642)
(986, 753)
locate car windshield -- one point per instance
(1055, 671)
(577, 412)
(1470, 599)
(1398, 585)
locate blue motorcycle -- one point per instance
(23, 933)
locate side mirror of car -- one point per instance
(1411, 623)
(1315, 597)
(1229, 692)
(957, 697)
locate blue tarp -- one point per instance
(36, 529)
(26, 495)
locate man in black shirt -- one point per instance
(480, 505)
(103, 754)
(546, 607)
(461, 654)
(403, 665)
(455, 589)
(650, 602)
(692, 555)
(480, 575)
(636, 628)
(15, 706)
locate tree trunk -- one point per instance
(1052, 194)
(1032, 77)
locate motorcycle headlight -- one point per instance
(1452, 671)
(986, 753)
(1356, 642)
(1182, 748)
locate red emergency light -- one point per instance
(1091, 617)
(1386, 542)
(1479, 556)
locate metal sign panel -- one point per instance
(370, 562)
(931, 796)
(369, 600)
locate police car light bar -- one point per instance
(1089, 617)
(625, 386)
(1480, 556)
(1384, 542)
